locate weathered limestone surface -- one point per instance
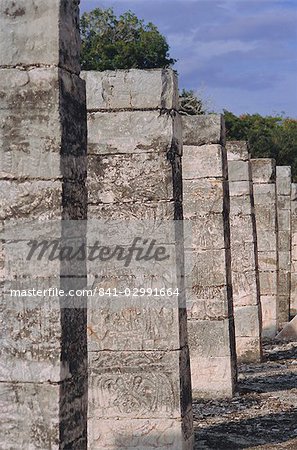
(152, 130)
(52, 41)
(263, 175)
(139, 373)
(131, 90)
(45, 99)
(293, 282)
(283, 190)
(244, 257)
(107, 172)
(43, 356)
(209, 130)
(208, 258)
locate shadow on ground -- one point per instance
(249, 433)
(263, 415)
(271, 383)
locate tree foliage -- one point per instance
(110, 43)
(190, 104)
(268, 137)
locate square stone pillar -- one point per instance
(244, 256)
(293, 282)
(209, 299)
(139, 372)
(43, 362)
(263, 174)
(283, 191)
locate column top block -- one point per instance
(263, 170)
(203, 129)
(131, 89)
(283, 171)
(237, 151)
(40, 33)
(283, 180)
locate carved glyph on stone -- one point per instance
(139, 375)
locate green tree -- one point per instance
(268, 137)
(190, 104)
(110, 43)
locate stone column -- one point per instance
(283, 190)
(139, 374)
(43, 359)
(244, 257)
(210, 304)
(263, 174)
(293, 283)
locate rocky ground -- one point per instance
(263, 415)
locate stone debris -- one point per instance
(289, 332)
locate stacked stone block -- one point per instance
(263, 174)
(283, 190)
(139, 374)
(209, 300)
(293, 282)
(244, 257)
(42, 178)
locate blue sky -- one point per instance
(239, 55)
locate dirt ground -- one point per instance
(263, 415)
